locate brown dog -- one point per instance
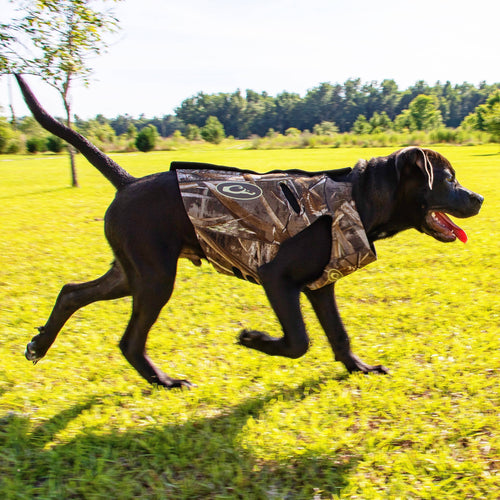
(149, 229)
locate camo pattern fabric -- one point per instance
(241, 219)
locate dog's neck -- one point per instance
(377, 205)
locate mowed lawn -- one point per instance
(83, 424)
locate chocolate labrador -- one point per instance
(149, 227)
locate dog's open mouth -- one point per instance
(443, 229)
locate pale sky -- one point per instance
(169, 50)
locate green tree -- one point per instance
(493, 121)
(131, 131)
(29, 126)
(361, 125)
(98, 131)
(325, 128)
(63, 35)
(486, 117)
(192, 133)
(402, 121)
(6, 134)
(146, 138)
(380, 122)
(424, 113)
(54, 144)
(285, 110)
(213, 131)
(389, 97)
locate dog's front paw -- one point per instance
(179, 384)
(163, 380)
(253, 338)
(355, 364)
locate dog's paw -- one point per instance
(161, 380)
(31, 354)
(355, 364)
(249, 338)
(375, 369)
(180, 384)
(362, 367)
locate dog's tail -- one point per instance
(111, 170)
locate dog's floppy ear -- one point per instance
(415, 156)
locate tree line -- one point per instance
(340, 104)
(327, 110)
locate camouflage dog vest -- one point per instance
(241, 218)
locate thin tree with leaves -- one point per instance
(55, 39)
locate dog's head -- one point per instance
(428, 180)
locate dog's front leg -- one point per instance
(285, 301)
(325, 306)
(300, 260)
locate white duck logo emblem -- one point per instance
(239, 190)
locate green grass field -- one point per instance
(83, 424)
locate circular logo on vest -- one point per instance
(239, 190)
(334, 275)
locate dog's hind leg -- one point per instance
(325, 306)
(152, 287)
(72, 297)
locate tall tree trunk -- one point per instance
(74, 175)
(13, 121)
(71, 149)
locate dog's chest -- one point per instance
(241, 219)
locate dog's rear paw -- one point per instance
(252, 338)
(34, 352)
(31, 354)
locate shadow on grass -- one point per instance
(202, 458)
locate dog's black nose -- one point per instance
(476, 201)
(478, 198)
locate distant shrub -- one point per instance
(192, 133)
(146, 139)
(325, 128)
(54, 144)
(213, 131)
(292, 132)
(36, 145)
(308, 140)
(15, 145)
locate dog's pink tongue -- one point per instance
(457, 231)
